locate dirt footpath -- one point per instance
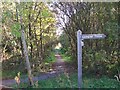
(57, 68)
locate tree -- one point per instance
(91, 18)
(39, 30)
(25, 50)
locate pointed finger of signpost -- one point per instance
(93, 36)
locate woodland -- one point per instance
(39, 39)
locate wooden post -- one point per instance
(79, 52)
(26, 55)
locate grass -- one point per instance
(63, 81)
(103, 82)
(66, 58)
(10, 71)
(8, 74)
(51, 58)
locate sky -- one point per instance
(58, 19)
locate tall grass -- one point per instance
(62, 81)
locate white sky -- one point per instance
(60, 20)
(59, 31)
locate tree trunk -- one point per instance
(30, 36)
(20, 37)
(25, 52)
(37, 46)
(26, 56)
(41, 48)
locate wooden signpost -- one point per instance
(80, 43)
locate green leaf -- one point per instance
(16, 29)
(45, 13)
(8, 14)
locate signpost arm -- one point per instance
(79, 54)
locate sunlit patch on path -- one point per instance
(59, 65)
